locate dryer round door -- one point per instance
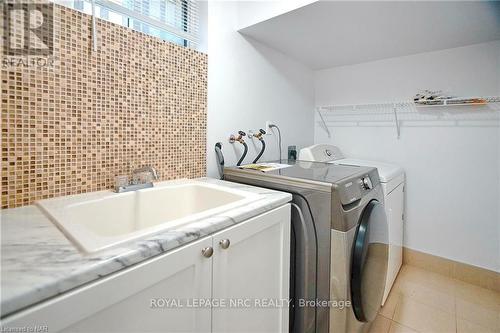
(369, 262)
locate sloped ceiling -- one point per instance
(334, 33)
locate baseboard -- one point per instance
(467, 273)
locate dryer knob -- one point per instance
(367, 183)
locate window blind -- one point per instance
(173, 20)
(178, 17)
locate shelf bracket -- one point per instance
(325, 127)
(396, 121)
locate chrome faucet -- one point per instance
(122, 183)
(146, 168)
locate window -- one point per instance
(172, 20)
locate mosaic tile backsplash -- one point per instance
(72, 128)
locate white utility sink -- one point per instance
(98, 220)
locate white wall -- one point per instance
(453, 180)
(248, 84)
(252, 12)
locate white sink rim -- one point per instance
(87, 241)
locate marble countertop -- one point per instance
(39, 262)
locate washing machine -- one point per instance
(339, 242)
(392, 179)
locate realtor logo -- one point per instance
(28, 29)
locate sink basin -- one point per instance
(99, 220)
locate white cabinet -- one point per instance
(122, 301)
(184, 275)
(255, 265)
(394, 210)
(254, 268)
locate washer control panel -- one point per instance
(367, 183)
(355, 188)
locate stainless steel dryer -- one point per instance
(339, 242)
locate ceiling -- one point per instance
(335, 33)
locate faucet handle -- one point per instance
(154, 173)
(121, 181)
(259, 134)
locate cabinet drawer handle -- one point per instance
(207, 252)
(224, 243)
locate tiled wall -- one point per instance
(136, 101)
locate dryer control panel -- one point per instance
(320, 153)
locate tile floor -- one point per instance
(422, 301)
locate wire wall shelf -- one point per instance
(410, 114)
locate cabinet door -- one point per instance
(127, 301)
(254, 268)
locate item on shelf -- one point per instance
(265, 167)
(429, 97)
(292, 153)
